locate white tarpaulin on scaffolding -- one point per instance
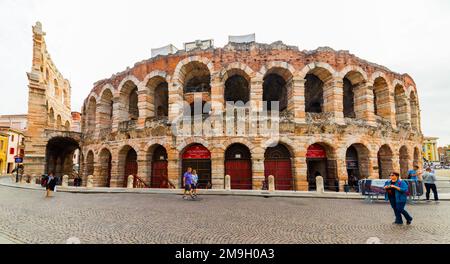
(242, 39)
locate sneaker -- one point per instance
(409, 222)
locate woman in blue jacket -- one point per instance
(396, 194)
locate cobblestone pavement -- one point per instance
(26, 216)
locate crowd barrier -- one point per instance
(373, 188)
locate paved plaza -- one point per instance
(27, 217)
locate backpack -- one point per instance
(407, 191)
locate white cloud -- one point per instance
(91, 40)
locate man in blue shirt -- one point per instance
(412, 174)
(187, 182)
(396, 194)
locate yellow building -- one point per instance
(3, 155)
(430, 149)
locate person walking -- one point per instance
(430, 183)
(396, 190)
(194, 182)
(51, 184)
(187, 182)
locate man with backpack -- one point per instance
(396, 194)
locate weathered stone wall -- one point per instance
(382, 107)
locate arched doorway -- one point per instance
(105, 160)
(385, 165)
(238, 164)
(404, 162)
(128, 163)
(357, 163)
(198, 158)
(277, 162)
(275, 90)
(59, 156)
(159, 176)
(320, 163)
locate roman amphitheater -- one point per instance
(338, 116)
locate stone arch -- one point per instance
(385, 157)
(357, 163)
(190, 141)
(127, 164)
(59, 152)
(59, 122)
(381, 99)
(318, 77)
(105, 108)
(198, 157)
(89, 163)
(401, 105)
(351, 98)
(67, 126)
(51, 118)
(277, 84)
(157, 162)
(236, 80)
(278, 162)
(321, 160)
(193, 66)
(91, 114)
(104, 168)
(128, 99)
(157, 88)
(238, 165)
(242, 141)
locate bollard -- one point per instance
(271, 183)
(65, 181)
(90, 181)
(319, 184)
(227, 182)
(33, 179)
(130, 182)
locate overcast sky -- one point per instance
(91, 40)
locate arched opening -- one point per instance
(277, 162)
(237, 88)
(400, 105)
(197, 77)
(129, 102)
(59, 123)
(106, 110)
(105, 166)
(276, 84)
(358, 163)
(385, 164)
(351, 81)
(59, 156)
(91, 114)
(67, 126)
(238, 164)
(414, 111)
(382, 106)
(198, 158)
(127, 164)
(314, 87)
(198, 108)
(404, 162)
(159, 175)
(320, 162)
(162, 100)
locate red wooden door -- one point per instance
(282, 171)
(159, 174)
(240, 172)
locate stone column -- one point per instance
(175, 100)
(65, 181)
(342, 173)
(271, 180)
(333, 93)
(319, 184)
(364, 104)
(258, 168)
(143, 167)
(145, 105)
(130, 181)
(296, 99)
(217, 168)
(174, 167)
(300, 171)
(217, 95)
(256, 104)
(227, 182)
(118, 113)
(90, 181)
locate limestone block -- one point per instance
(271, 183)
(227, 182)
(90, 181)
(65, 181)
(130, 182)
(319, 184)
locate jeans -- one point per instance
(431, 186)
(399, 210)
